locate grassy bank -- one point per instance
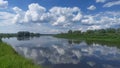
(10, 59)
(107, 37)
(112, 39)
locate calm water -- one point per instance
(62, 53)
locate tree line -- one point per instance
(99, 31)
(19, 34)
(27, 34)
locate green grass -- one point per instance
(109, 39)
(10, 59)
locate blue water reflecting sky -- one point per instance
(62, 53)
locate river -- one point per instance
(52, 52)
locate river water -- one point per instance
(51, 52)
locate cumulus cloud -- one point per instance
(56, 16)
(17, 10)
(88, 20)
(102, 20)
(68, 15)
(35, 11)
(92, 7)
(100, 1)
(113, 3)
(3, 4)
(33, 14)
(59, 20)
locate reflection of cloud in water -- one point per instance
(54, 55)
(108, 66)
(59, 54)
(91, 63)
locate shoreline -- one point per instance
(10, 59)
(110, 40)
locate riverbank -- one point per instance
(112, 39)
(10, 59)
(90, 37)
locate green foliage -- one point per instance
(70, 31)
(74, 32)
(26, 34)
(7, 35)
(109, 35)
(19, 34)
(23, 33)
(0, 40)
(10, 59)
(97, 32)
(77, 32)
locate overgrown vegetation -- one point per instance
(108, 35)
(10, 59)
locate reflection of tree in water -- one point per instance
(74, 41)
(70, 41)
(26, 38)
(0, 40)
(23, 38)
(91, 42)
(25, 35)
(77, 41)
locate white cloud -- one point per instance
(6, 18)
(56, 16)
(102, 20)
(93, 27)
(113, 3)
(78, 17)
(92, 7)
(70, 15)
(33, 14)
(17, 10)
(88, 20)
(60, 20)
(100, 1)
(19, 15)
(36, 7)
(3, 4)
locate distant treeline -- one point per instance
(19, 34)
(100, 31)
(26, 33)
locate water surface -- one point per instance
(54, 52)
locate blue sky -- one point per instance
(55, 16)
(83, 4)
